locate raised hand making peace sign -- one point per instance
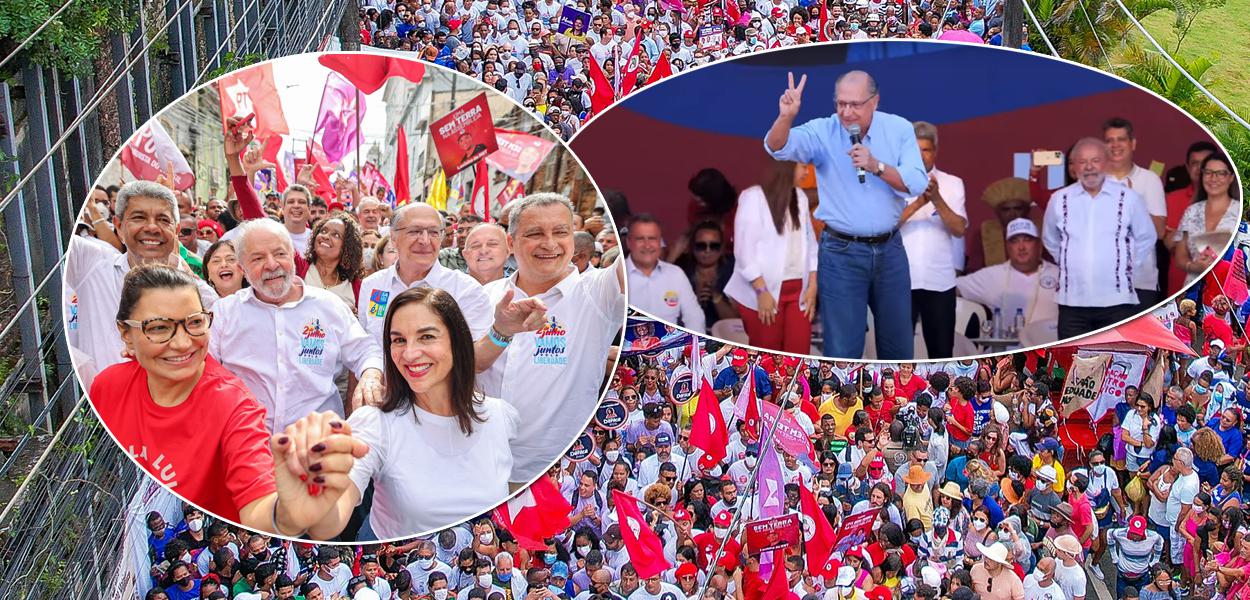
(791, 99)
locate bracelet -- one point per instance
(99, 221)
(275, 522)
(760, 290)
(497, 338)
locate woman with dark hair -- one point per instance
(715, 199)
(774, 280)
(709, 267)
(222, 270)
(334, 258)
(198, 426)
(439, 451)
(1207, 223)
(694, 499)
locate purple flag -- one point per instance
(338, 119)
(771, 492)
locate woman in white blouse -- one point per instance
(774, 279)
(1215, 211)
(439, 451)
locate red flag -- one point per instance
(824, 19)
(535, 514)
(368, 72)
(1235, 283)
(732, 14)
(646, 551)
(325, 189)
(252, 91)
(629, 72)
(779, 584)
(273, 146)
(752, 420)
(707, 430)
(662, 69)
(402, 194)
(602, 97)
(818, 535)
(151, 152)
(481, 190)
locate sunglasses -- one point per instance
(706, 246)
(186, 231)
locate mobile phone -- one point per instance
(1047, 158)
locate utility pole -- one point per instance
(1013, 23)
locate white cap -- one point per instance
(1021, 227)
(1046, 472)
(861, 4)
(930, 576)
(846, 576)
(873, 17)
(365, 593)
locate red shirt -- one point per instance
(212, 449)
(1217, 328)
(706, 543)
(960, 412)
(883, 415)
(906, 393)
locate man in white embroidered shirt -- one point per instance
(659, 288)
(1024, 285)
(930, 223)
(1100, 233)
(288, 341)
(551, 375)
(1117, 133)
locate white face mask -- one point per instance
(486, 538)
(612, 455)
(425, 563)
(195, 524)
(483, 580)
(721, 531)
(440, 594)
(513, 33)
(750, 461)
(583, 550)
(979, 525)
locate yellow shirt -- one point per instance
(919, 505)
(1060, 479)
(841, 419)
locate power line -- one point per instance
(225, 40)
(35, 33)
(1094, 30)
(1041, 31)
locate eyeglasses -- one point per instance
(419, 232)
(1220, 174)
(160, 329)
(186, 231)
(855, 105)
(706, 246)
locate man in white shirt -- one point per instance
(296, 214)
(1101, 234)
(1040, 584)
(1180, 500)
(1117, 133)
(551, 375)
(657, 287)
(929, 224)
(519, 82)
(331, 579)
(288, 341)
(369, 214)
(1023, 285)
(423, 564)
(146, 217)
(653, 588)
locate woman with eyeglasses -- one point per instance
(1211, 218)
(195, 428)
(1140, 432)
(774, 280)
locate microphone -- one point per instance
(854, 130)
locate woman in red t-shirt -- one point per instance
(960, 423)
(907, 384)
(196, 428)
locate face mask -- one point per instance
(583, 550)
(1199, 509)
(721, 531)
(978, 524)
(1013, 475)
(513, 33)
(483, 580)
(486, 538)
(549, 559)
(425, 563)
(612, 455)
(916, 539)
(506, 577)
(183, 582)
(750, 460)
(440, 594)
(195, 524)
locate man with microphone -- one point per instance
(867, 165)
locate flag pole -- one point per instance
(359, 139)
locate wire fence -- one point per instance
(64, 485)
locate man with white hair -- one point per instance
(145, 221)
(1101, 234)
(583, 250)
(1181, 500)
(369, 213)
(288, 341)
(551, 375)
(423, 562)
(486, 252)
(508, 576)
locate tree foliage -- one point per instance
(70, 43)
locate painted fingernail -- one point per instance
(336, 425)
(315, 467)
(312, 489)
(284, 440)
(316, 491)
(319, 447)
(319, 479)
(303, 477)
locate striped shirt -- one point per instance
(1134, 557)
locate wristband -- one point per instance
(497, 338)
(759, 289)
(275, 522)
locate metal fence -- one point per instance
(63, 483)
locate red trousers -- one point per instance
(790, 331)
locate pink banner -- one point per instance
(789, 434)
(519, 155)
(149, 153)
(339, 117)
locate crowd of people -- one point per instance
(1048, 265)
(975, 487)
(280, 370)
(526, 50)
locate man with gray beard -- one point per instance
(288, 341)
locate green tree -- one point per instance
(1147, 68)
(70, 43)
(1067, 24)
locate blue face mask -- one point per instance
(549, 559)
(506, 577)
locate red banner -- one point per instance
(151, 151)
(772, 534)
(464, 136)
(511, 191)
(519, 155)
(252, 91)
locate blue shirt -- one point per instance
(846, 205)
(175, 593)
(1231, 437)
(991, 505)
(156, 545)
(727, 378)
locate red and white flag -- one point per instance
(752, 419)
(707, 430)
(603, 96)
(535, 514)
(818, 535)
(252, 91)
(646, 551)
(629, 72)
(661, 70)
(402, 193)
(151, 152)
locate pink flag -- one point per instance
(771, 492)
(339, 117)
(789, 434)
(1235, 284)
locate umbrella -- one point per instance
(961, 35)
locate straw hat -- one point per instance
(1068, 543)
(950, 489)
(916, 475)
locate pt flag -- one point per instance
(338, 118)
(369, 72)
(150, 154)
(519, 154)
(603, 96)
(629, 74)
(538, 513)
(253, 91)
(661, 70)
(646, 551)
(818, 536)
(402, 195)
(707, 429)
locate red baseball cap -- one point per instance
(687, 570)
(877, 463)
(779, 12)
(739, 358)
(717, 12)
(333, 206)
(689, 34)
(1137, 525)
(722, 519)
(681, 514)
